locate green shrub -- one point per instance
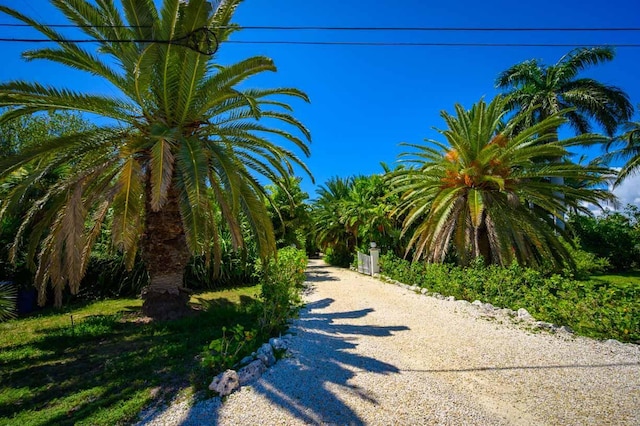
(282, 281)
(592, 308)
(586, 263)
(237, 268)
(229, 349)
(614, 236)
(338, 257)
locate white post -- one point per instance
(375, 255)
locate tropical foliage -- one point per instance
(289, 212)
(614, 236)
(629, 152)
(350, 213)
(180, 142)
(16, 135)
(540, 91)
(8, 295)
(601, 307)
(486, 191)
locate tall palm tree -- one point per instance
(181, 141)
(629, 152)
(486, 192)
(539, 91)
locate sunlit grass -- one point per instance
(99, 363)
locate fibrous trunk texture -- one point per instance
(165, 254)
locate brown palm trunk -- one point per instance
(165, 254)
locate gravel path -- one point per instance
(366, 352)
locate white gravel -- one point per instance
(365, 352)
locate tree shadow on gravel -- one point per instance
(319, 273)
(309, 384)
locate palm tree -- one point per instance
(629, 152)
(331, 230)
(486, 192)
(181, 142)
(539, 91)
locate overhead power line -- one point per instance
(318, 28)
(326, 43)
(434, 44)
(353, 28)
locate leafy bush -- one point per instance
(282, 280)
(592, 308)
(337, 257)
(107, 277)
(614, 236)
(586, 263)
(227, 350)
(237, 268)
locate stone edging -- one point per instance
(252, 367)
(487, 309)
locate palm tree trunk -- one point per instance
(165, 254)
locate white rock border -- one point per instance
(519, 317)
(251, 367)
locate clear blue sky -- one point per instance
(365, 100)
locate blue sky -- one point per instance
(366, 100)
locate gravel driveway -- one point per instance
(366, 352)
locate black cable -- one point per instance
(330, 43)
(202, 40)
(314, 28)
(435, 44)
(321, 28)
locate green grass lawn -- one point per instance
(100, 364)
(623, 278)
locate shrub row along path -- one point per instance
(365, 352)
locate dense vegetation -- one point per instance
(165, 195)
(600, 307)
(173, 162)
(102, 362)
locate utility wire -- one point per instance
(434, 44)
(322, 28)
(314, 28)
(327, 43)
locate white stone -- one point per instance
(488, 307)
(566, 329)
(476, 303)
(265, 354)
(424, 291)
(251, 372)
(524, 314)
(246, 360)
(545, 325)
(277, 344)
(451, 299)
(225, 383)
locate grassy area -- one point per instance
(623, 278)
(100, 364)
